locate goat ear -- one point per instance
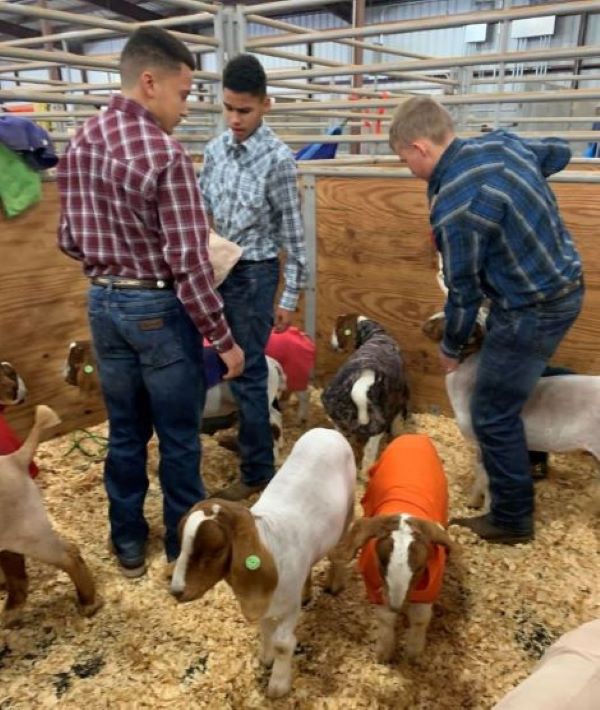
(253, 571)
(434, 327)
(363, 530)
(432, 532)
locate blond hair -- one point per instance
(420, 117)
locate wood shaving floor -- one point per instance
(500, 607)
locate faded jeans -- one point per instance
(515, 352)
(249, 293)
(152, 375)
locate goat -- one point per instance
(562, 414)
(403, 539)
(296, 353)
(12, 387)
(369, 393)
(220, 407)
(266, 553)
(26, 531)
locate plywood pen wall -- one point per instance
(375, 256)
(43, 297)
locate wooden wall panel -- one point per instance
(43, 297)
(375, 256)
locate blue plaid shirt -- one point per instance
(251, 190)
(497, 225)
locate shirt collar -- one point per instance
(251, 143)
(118, 102)
(442, 165)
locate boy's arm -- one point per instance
(185, 249)
(461, 254)
(283, 196)
(553, 154)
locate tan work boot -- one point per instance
(238, 491)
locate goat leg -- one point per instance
(13, 567)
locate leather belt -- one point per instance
(123, 282)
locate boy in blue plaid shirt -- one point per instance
(498, 228)
(250, 191)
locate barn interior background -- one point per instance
(532, 67)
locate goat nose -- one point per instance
(177, 593)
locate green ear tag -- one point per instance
(88, 369)
(253, 562)
(347, 331)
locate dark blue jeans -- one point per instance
(248, 293)
(151, 370)
(515, 351)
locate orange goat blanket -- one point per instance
(408, 478)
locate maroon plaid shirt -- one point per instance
(131, 207)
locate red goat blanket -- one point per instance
(408, 478)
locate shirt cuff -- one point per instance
(289, 298)
(449, 351)
(221, 338)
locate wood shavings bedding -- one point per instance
(499, 609)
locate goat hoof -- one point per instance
(278, 689)
(11, 618)
(91, 608)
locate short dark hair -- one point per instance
(245, 74)
(152, 46)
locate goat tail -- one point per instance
(44, 419)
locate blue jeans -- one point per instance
(515, 351)
(248, 293)
(151, 370)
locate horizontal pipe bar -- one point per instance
(448, 100)
(431, 23)
(536, 55)
(278, 24)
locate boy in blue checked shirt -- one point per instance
(497, 226)
(250, 192)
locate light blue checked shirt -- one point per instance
(251, 190)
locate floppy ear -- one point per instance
(434, 326)
(363, 530)
(432, 532)
(253, 570)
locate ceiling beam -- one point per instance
(128, 9)
(134, 11)
(343, 10)
(14, 30)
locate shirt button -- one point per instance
(160, 283)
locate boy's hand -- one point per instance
(283, 319)
(234, 359)
(449, 364)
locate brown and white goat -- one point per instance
(403, 539)
(12, 387)
(25, 529)
(368, 395)
(266, 553)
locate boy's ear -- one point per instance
(421, 145)
(267, 103)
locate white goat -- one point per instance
(26, 531)
(220, 408)
(562, 414)
(402, 563)
(266, 553)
